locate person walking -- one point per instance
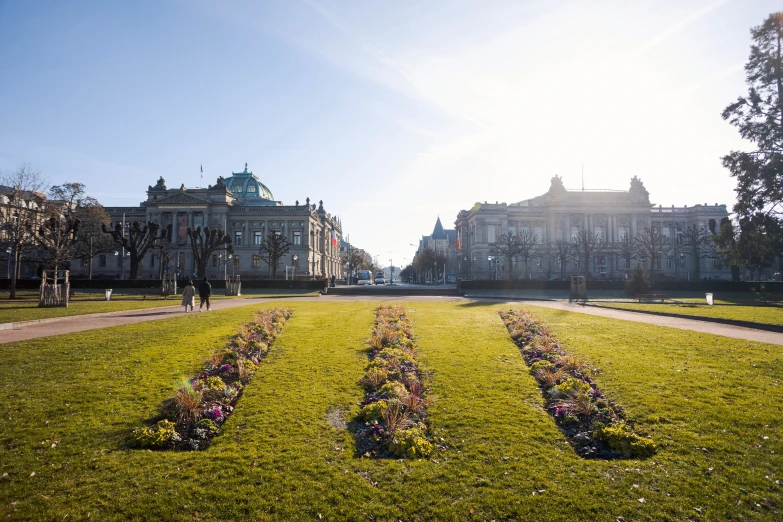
(204, 291)
(189, 296)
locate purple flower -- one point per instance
(214, 413)
(559, 412)
(226, 368)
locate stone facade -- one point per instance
(245, 209)
(560, 214)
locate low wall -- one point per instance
(664, 286)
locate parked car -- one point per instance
(379, 279)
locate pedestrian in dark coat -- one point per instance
(204, 291)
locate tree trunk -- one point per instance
(14, 263)
(89, 268)
(134, 266)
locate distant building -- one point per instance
(246, 210)
(560, 214)
(443, 242)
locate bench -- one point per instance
(165, 295)
(640, 297)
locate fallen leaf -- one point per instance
(642, 500)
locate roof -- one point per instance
(437, 232)
(246, 185)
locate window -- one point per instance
(297, 238)
(490, 233)
(255, 260)
(601, 261)
(258, 238)
(85, 261)
(181, 261)
(665, 233)
(658, 263)
(152, 260)
(574, 232)
(238, 238)
(236, 261)
(599, 234)
(539, 263)
(102, 260)
(714, 263)
(512, 230)
(669, 262)
(214, 261)
(682, 260)
(538, 233)
(622, 232)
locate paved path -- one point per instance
(737, 332)
(79, 323)
(66, 325)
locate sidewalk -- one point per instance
(80, 323)
(694, 325)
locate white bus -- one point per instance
(364, 277)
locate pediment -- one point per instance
(179, 199)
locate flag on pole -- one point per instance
(459, 242)
(334, 238)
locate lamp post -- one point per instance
(8, 263)
(312, 247)
(122, 262)
(295, 259)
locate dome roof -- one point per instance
(246, 185)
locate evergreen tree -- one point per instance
(759, 118)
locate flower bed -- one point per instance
(594, 425)
(393, 415)
(201, 405)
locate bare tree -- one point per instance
(354, 259)
(21, 199)
(508, 246)
(58, 233)
(560, 251)
(162, 250)
(528, 249)
(653, 246)
(90, 240)
(204, 244)
(140, 239)
(424, 260)
(587, 246)
(273, 248)
(699, 245)
(627, 249)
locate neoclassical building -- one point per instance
(246, 209)
(560, 214)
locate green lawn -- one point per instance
(26, 307)
(769, 314)
(709, 402)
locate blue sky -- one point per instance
(391, 112)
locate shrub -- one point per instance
(572, 387)
(393, 389)
(410, 443)
(157, 436)
(375, 377)
(213, 383)
(207, 425)
(540, 365)
(187, 402)
(638, 283)
(621, 439)
(373, 411)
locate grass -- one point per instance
(25, 308)
(769, 314)
(708, 401)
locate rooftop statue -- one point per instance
(160, 185)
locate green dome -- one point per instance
(246, 185)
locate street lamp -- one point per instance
(295, 259)
(8, 251)
(312, 247)
(122, 262)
